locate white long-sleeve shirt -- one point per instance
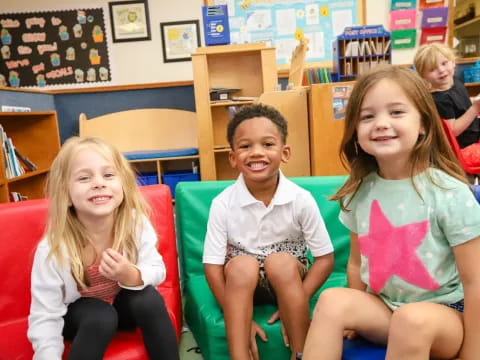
(53, 288)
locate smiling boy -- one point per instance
(258, 233)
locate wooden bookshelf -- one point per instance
(248, 67)
(35, 135)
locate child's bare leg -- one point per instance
(421, 330)
(284, 274)
(241, 278)
(339, 309)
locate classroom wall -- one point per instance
(144, 55)
(147, 55)
(378, 12)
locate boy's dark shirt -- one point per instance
(453, 103)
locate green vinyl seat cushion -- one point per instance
(202, 313)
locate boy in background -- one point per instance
(258, 232)
(435, 63)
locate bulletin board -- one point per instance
(281, 23)
(53, 48)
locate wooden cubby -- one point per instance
(35, 135)
(249, 67)
(360, 48)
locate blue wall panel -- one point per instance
(70, 106)
(35, 101)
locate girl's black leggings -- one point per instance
(91, 323)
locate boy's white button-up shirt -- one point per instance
(238, 219)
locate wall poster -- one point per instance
(281, 23)
(53, 48)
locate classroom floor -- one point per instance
(188, 346)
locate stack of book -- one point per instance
(316, 76)
(15, 163)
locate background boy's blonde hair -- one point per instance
(427, 55)
(431, 150)
(65, 234)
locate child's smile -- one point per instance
(258, 150)
(94, 187)
(257, 166)
(389, 126)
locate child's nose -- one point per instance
(382, 122)
(257, 149)
(98, 182)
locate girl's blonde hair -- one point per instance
(431, 150)
(426, 57)
(65, 233)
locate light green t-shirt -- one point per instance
(406, 240)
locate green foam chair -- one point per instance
(202, 312)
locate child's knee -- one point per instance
(102, 321)
(282, 267)
(242, 270)
(333, 302)
(147, 302)
(409, 322)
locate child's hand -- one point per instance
(256, 330)
(349, 334)
(273, 319)
(115, 266)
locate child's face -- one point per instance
(389, 125)
(94, 186)
(258, 150)
(441, 76)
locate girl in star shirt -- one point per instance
(96, 269)
(414, 226)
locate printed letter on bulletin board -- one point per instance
(277, 22)
(53, 48)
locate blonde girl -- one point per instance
(414, 225)
(96, 268)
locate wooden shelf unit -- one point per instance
(350, 55)
(35, 135)
(249, 67)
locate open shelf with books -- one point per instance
(34, 143)
(360, 48)
(249, 70)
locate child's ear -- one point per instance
(286, 153)
(232, 158)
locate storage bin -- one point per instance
(147, 178)
(171, 179)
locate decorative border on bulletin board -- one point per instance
(54, 47)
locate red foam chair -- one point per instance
(22, 225)
(452, 139)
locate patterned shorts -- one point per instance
(457, 306)
(264, 293)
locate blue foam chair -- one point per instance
(360, 349)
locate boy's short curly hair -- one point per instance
(253, 111)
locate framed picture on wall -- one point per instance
(129, 20)
(179, 40)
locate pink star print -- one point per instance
(392, 251)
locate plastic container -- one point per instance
(173, 178)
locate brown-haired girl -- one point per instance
(413, 275)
